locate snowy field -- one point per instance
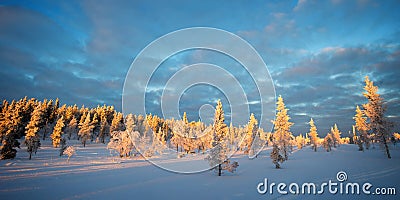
(94, 174)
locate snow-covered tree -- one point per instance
(276, 156)
(57, 132)
(71, 127)
(328, 142)
(217, 157)
(117, 123)
(10, 122)
(313, 135)
(121, 142)
(32, 140)
(252, 128)
(335, 136)
(85, 130)
(300, 141)
(69, 151)
(375, 110)
(282, 134)
(362, 128)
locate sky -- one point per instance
(317, 52)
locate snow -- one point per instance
(93, 173)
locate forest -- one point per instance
(27, 122)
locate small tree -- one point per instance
(313, 135)
(57, 132)
(335, 136)
(276, 156)
(362, 128)
(32, 140)
(217, 157)
(121, 143)
(328, 142)
(69, 151)
(282, 134)
(85, 130)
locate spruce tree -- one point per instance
(335, 136)
(218, 158)
(252, 128)
(57, 132)
(362, 128)
(375, 110)
(85, 130)
(282, 134)
(32, 140)
(313, 135)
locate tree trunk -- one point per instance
(84, 143)
(30, 155)
(219, 170)
(386, 147)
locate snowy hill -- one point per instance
(95, 174)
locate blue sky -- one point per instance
(316, 51)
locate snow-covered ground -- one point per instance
(94, 174)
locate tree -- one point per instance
(69, 151)
(71, 127)
(328, 142)
(32, 140)
(313, 135)
(217, 157)
(282, 134)
(9, 124)
(335, 136)
(117, 122)
(121, 142)
(362, 128)
(104, 127)
(57, 132)
(276, 156)
(375, 110)
(85, 130)
(252, 128)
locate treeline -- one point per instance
(31, 120)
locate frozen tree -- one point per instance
(57, 132)
(104, 127)
(282, 134)
(300, 141)
(252, 128)
(85, 130)
(9, 124)
(217, 157)
(276, 156)
(69, 151)
(63, 145)
(121, 142)
(117, 123)
(313, 135)
(328, 142)
(335, 136)
(375, 110)
(362, 128)
(71, 127)
(184, 118)
(32, 140)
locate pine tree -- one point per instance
(252, 128)
(328, 142)
(218, 158)
(32, 140)
(85, 130)
(375, 110)
(282, 134)
(71, 127)
(104, 127)
(9, 125)
(362, 128)
(184, 118)
(313, 135)
(57, 132)
(335, 134)
(117, 122)
(276, 156)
